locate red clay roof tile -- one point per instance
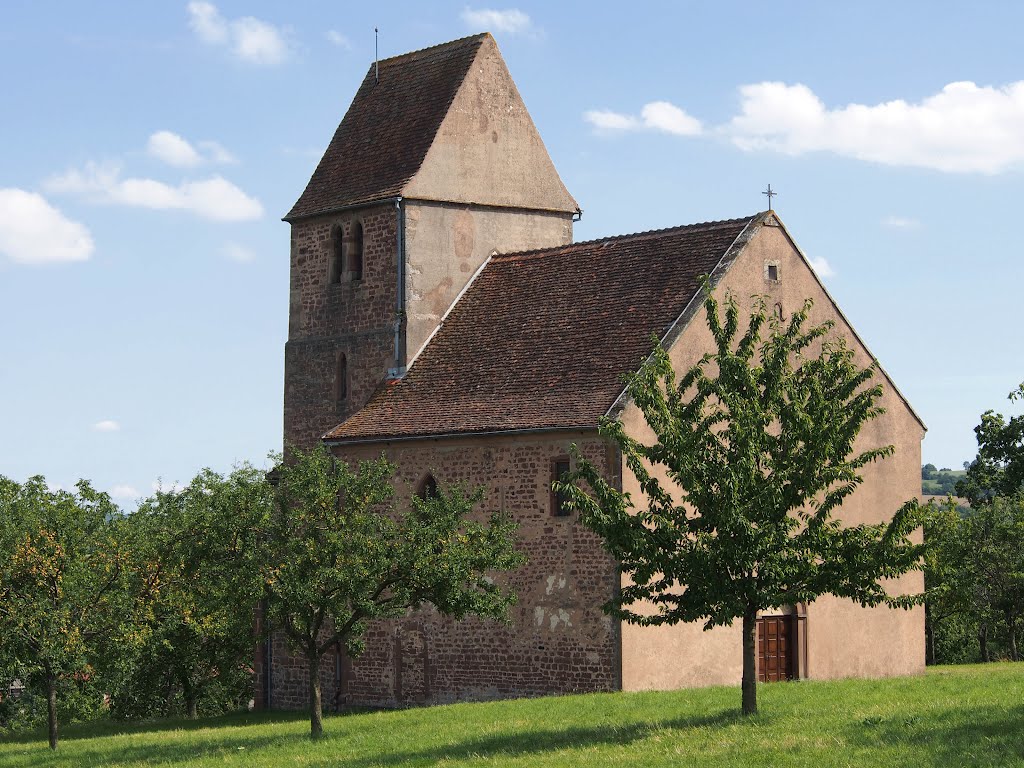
(542, 339)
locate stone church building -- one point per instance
(441, 313)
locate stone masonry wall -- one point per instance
(354, 318)
(557, 642)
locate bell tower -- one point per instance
(435, 166)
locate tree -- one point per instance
(64, 584)
(341, 555)
(998, 469)
(757, 442)
(205, 541)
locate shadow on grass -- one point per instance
(514, 743)
(101, 728)
(531, 741)
(978, 736)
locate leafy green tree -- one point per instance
(998, 469)
(64, 585)
(340, 554)
(204, 541)
(757, 443)
(928, 471)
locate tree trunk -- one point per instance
(983, 642)
(191, 697)
(51, 707)
(1014, 653)
(749, 684)
(316, 714)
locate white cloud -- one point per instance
(107, 425)
(249, 39)
(124, 492)
(34, 232)
(175, 150)
(511, 21)
(821, 266)
(656, 116)
(338, 39)
(663, 116)
(965, 128)
(214, 198)
(238, 253)
(207, 23)
(900, 222)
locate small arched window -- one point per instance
(335, 262)
(778, 312)
(428, 488)
(355, 252)
(341, 378)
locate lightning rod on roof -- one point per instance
(376, 58)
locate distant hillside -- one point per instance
(939, 482)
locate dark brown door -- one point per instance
(775, 644)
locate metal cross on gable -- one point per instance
(770, 194)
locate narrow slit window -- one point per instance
(559, 501)
(778, 312)
(341, 379)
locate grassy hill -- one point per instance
(951, 716)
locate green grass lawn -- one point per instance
(971, 716)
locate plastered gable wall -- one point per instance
(487, 150)
(558, 640)
(353, 318)
(446, 244)
(842, 639)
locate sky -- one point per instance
(149, 150)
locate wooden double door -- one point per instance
(776, 648)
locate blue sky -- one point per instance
(149, 150)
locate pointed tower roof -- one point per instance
(383, 146)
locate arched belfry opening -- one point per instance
(335, 263)
(355, 252)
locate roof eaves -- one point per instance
(332, 441)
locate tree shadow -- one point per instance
(103, 728)
(986, 735)
(514, 743)
(535, 740)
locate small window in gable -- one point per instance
(773, 272)
(341, 378)
(334, 265)
(428, 488)
(559, 501)
(355, 252)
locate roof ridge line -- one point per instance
(431, 49)
(628, 236)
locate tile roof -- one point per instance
(542, 339)
(383, 138)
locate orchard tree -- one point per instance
(998, 469)
(65, 590)
(340, 554)
(757, 441)
(204, 540)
